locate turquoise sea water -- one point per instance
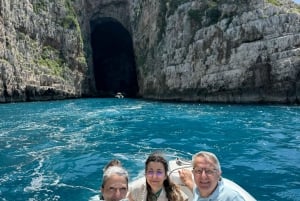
(56, 150)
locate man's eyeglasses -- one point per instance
(208, 172)
(151, 173)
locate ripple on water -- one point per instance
(56, 150)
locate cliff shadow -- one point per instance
(113, 58)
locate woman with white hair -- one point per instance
(114, 183)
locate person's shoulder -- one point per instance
(137, 184)
(184, 195)
(231, 193)
(137, 189)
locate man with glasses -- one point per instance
(207, 177)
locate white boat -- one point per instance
(178, 164)
(119, 95)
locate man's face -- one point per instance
(206, 175)
(115, 188)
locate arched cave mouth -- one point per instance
(113, 58)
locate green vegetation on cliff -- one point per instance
(274, 2)
(39, 6)
(51, 59)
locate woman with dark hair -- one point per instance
(157, 186)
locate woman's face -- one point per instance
(115, 188)
(155, 175)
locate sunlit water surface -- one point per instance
(56, 150)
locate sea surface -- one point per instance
(56, 150)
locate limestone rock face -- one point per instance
(237, 51)
(218, 51)
(41, 51)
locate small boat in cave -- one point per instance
(119, 95)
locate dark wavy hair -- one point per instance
(172, 190)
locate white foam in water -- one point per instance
(134, 107)
(37, 181)
(35, 184)
(94, 198)
(121, 156)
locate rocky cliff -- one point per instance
(237, 51)
(41, 51)
(218, 51)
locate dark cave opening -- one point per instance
(113, 58)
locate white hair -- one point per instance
(207, 155)
(114, 170)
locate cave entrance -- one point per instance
(113, 58)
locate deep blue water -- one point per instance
(56, 150)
